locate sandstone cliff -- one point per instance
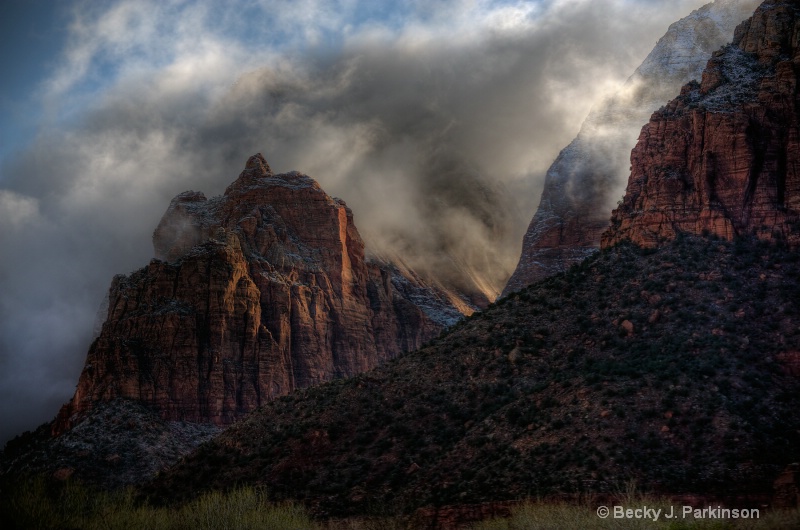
(588, 176)
(724, 157)
(254, 294)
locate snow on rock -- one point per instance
(585, 181)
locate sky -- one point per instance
(434, 121)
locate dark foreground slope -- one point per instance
(673, 367)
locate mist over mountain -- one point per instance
(433, 122)
(588, 177)
(668, 359)
(252, 295)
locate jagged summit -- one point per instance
(259, 163)
(191, 218)
(253, 294)
(724, 156)
(258, 174)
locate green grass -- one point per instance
(36, 504)
(41, 504)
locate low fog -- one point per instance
(435, 125)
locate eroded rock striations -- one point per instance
(589, 175)
(256, 293)
(724, 157)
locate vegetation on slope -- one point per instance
(668, 366)
(117, 443)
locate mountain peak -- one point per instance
(257, 175)
(259, 163)
(253, 294)
(724, 156)
(588, 176)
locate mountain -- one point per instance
(724, 157)
(588, 176)
(253, 294)
(671, 357)
(673, 364)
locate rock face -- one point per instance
(724, 157)
(589, 174)
(254, 294)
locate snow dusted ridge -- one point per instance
(741, 75)
(293, 180)
(610, 131)
(435, 303)
(589, 175)
(688, 43)
(190, 216)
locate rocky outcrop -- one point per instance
(117, 443)
(588, 176)
(723, 158)
(253, 294)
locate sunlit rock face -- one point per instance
(588, 177)
(253, 294)
(724, 157)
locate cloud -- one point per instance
(17, 210)
(434, 121)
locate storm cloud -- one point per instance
(434, 123)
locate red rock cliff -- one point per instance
(724, 157)
(256, 293)
(587, 178)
